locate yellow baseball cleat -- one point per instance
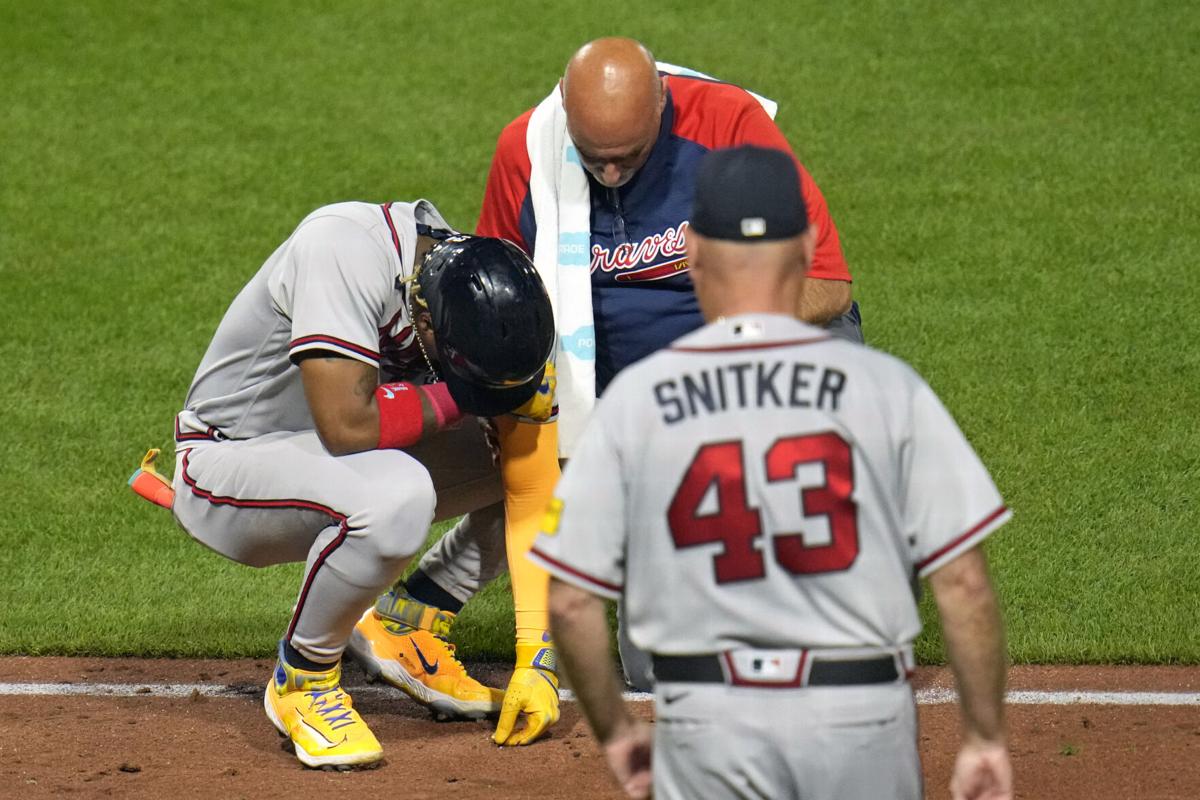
(421, 664)
(312, 710)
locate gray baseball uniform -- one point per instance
(761, 497)
(252, 479)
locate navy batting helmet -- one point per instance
(492, 321)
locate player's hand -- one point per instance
(982, 771)
(628, 754)
(532, 696)
(543, 405)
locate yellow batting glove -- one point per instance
(532, 694)
(543, 406)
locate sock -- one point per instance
(297, 661)
(420, 587)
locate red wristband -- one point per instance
(401, 418)
(444, 407)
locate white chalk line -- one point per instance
(926, 697)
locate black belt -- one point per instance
(822, 672)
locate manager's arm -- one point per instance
(974, 636)
(580, 628)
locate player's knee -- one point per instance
(402, 516)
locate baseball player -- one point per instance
(632, 133)
(291, 448)
(761, 496)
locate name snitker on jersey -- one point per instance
(757, 384)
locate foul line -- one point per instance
(933, 697)
(925, 697)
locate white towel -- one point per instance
(562, 254)
(562, 212)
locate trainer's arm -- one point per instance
(974, 638)
(507, 186)
(824, 300)
(580, 629)
(341, 396)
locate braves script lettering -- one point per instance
(657, 246)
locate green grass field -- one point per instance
(1017, 189)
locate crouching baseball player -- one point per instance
(761, 497)
(290, 448)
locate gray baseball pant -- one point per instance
(355, 520)
(815, 743)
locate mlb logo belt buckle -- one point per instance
(765, 667)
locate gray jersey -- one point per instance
(759, 484)
(336, 284)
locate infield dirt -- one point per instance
(207, 747)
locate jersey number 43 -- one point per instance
(737, 525)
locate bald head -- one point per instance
(614, 99)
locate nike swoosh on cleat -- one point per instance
(430, 668)
(329, 742)
(671, 698)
